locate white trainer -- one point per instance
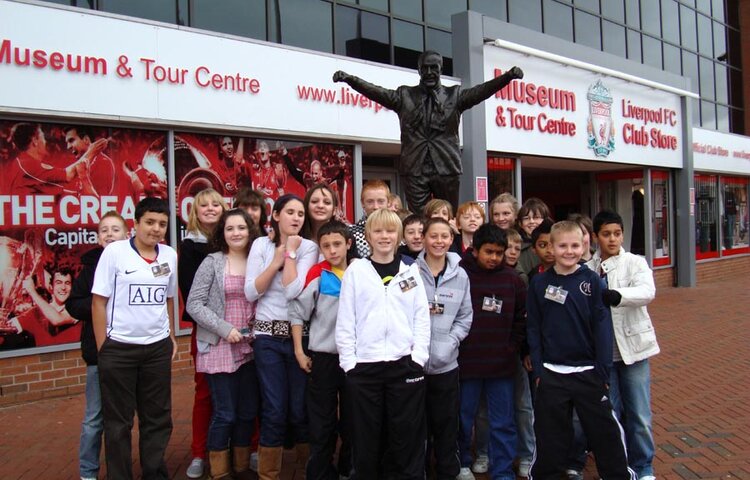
(481, 464)
(465, 474)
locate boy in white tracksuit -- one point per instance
(383, 340)
(630, 287)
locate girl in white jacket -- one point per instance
(383, 340)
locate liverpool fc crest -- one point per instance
(601, 130)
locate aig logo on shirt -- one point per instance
(147, 294)
(585, 288)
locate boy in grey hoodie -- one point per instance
(448, 294)
(316, 309)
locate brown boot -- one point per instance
(269, 462)
(303, 453)
(218, 461)
(241, 459)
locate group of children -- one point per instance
(417, 355)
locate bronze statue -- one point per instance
(429, 115)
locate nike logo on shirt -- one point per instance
(128, 272)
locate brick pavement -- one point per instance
(701, 396)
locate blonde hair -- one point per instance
(468, 206)
(383, 218)
(437, 204)
(513, 236)
(207, 195)
(505, 198)
(565, 226)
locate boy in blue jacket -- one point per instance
(570, 336)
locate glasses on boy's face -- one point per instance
(528, 218)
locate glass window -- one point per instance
(718, 10)
(690, 68)
(440, 41)
(614, 10)
(411, 9)
(707, 79)
(588, 31)
(721, 83)
(650, 17)
(632, 13)
(590, 5)
(687, 28)
(708, 115)
(500, 175)
(651, 51)
(672, 59)
(238, 17)
(361, 34)
(494, 8)
(526, 13)
(661, 205)
(695, 109)
(614, 38)
(703, 6)
(558, 20)
(734, 215)
(164, 11)
(74, 3)
(722, 118)
(438, 12)
(705, 36)
(720, 40)
(707, 233)
(634, 46)
(381, 5)
(182, 12)
(306, 24)
(670, 22)
(408, 43)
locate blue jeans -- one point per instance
(92, 426)
(502, 445)
(234, 397)
(630, 392)
(282, 389)
(524, 416)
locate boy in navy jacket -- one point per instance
(570, 336)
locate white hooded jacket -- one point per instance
(631, 276)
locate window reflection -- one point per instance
(239, 17)
(558, 20)
(588, 31)
(306, 24)
(159, 11)
(526, 13)
(614, 38)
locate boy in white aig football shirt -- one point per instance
(133, 298)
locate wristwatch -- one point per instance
(292, 255)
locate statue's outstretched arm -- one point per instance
(483, 91)
(386, 97)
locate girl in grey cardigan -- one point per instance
(224, 318)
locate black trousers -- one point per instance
(328, 416)
(442, 403)
(420, 189)
(556, 396)
(388, 395)
(136, 378)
